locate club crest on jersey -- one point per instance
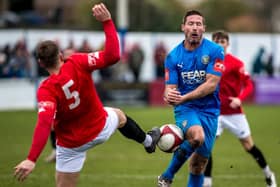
(205, 59)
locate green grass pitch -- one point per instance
(124, 163)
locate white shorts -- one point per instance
(70, 160)
(237, 124)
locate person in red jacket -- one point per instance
(235, 86)
(68, 103)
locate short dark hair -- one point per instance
(192, 12)
(220, 34)
(47, 53)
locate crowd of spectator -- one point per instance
(16, 61)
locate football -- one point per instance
(170, 139)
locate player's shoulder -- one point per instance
(48, 82)
(177, 48)
(212, 49)
(75, 59)
(211, 45)
(46, 86)
(176, 52)
(234, 60)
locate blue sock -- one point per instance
(179, 158)
(195, 180)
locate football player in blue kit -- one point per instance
(192, 73)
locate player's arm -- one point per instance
(170, 94)
(46, 112)
(246, 90)
(111, 53)
(173, 97)
(208, 87)
(213, 76)
(247, 85)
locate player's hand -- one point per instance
(101, 13)
(235, 102)
(173, 97)
(23, 169)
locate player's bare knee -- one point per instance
(195, 136)
(121, 116)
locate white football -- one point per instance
(170, 139)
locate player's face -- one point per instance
(222, 42)
(193, 29)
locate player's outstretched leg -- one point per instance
(130, 129)
(155, 134)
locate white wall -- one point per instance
(17, 94)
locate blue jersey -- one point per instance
(188, 69)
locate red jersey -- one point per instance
(68, 101)
(235, 82)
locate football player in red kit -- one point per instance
(68, 101)
(235, 86)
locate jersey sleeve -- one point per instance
(101, 59)
(248, 87)
(46, 114)
(216, 65)
(171, 75)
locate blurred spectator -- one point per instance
(69, 50)
(4, 59)
(135, 60)
(19, 63)
(85, 47)
(71, 45)
(269, 67)
(2, 63)
(7, 51)
(159, 57)
(258, 64)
